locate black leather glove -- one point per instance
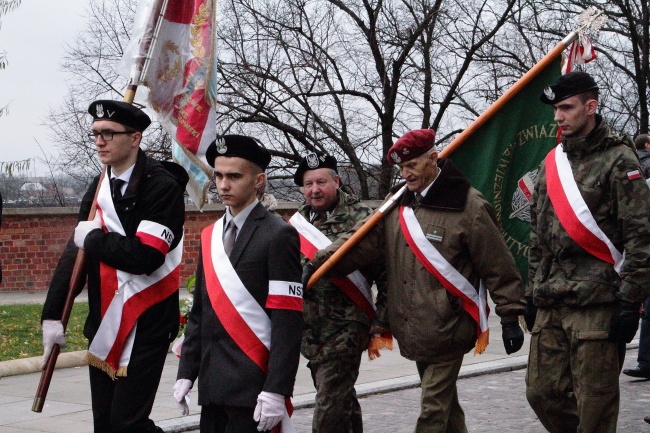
(625, 322)
(307, 271)
(530, 314)
(513, 337)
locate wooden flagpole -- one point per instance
(76, 283)
(592, 19)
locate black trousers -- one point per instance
(227, 419)
(124, 405)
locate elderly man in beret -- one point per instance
(443, 250)
(133, 252)
(589, 264)
(338, 314)
(243, 335)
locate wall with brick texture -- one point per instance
(31, 242)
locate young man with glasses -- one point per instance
(133, 251)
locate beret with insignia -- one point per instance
(313, 161)
(568, 85)
(411, 145)
(120, 112)
(240, 146)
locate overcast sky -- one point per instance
(34, 37)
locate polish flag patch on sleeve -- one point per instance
(634, 174)
(284, 295)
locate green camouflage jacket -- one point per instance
(560, 271)
(334, 325)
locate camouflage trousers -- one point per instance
(440, 410)
(337, 409)
(572, 377)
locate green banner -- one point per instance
(501, 159)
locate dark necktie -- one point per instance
(418, 199)
(229, 237)
(116, 186)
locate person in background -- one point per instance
(242, 340)
(133, 251)
(338, 313)
(589, 264)
(642, 370)
(443, 249)
(642, 144)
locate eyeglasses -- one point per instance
(106, 135)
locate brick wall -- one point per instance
(31, 241)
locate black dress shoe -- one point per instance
(647, 419)
(637, 372)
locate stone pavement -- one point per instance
(388, 384)
(494, 403)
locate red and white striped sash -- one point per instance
(475, 303)
(124, 296)
(572, 211)
(241, 316)
(354, 285)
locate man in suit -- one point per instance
(133, 253)
(243, 334)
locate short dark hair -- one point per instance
(589, 94)
(641, 140)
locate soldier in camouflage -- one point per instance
(337, 330)
(582, 309)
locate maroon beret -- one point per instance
(411, 145)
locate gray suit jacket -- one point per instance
(267, 249)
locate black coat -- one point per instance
(154, 193)
(266, 249)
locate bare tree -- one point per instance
(623, 47)
(91, 62)
(348, 77)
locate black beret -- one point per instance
(240, 146)
(568, 85)
(313, 161)
(120, 112)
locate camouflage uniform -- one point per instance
(572, 378)
(337, 331)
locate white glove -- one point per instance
(181, 394)
(269, 411)
(85, 227)
(52, 334)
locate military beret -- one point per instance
(411, 145)
(313, 161)
(120, 112)
(240, 146)
(568, 85)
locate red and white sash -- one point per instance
(355, 285)
(475, 303)
(241, 316)
(572, 211)
(124, 296)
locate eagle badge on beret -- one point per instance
(396, 157)
(312, 161)
(100, 110)
(549, 93)
(220, 144)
